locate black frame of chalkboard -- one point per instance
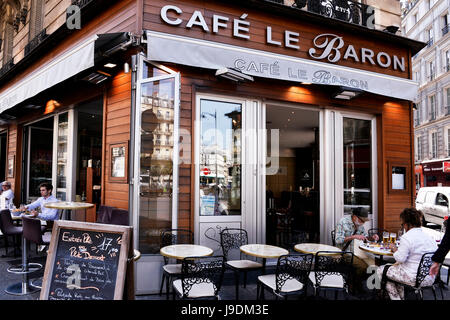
(126, 233)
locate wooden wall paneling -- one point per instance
(116, 130)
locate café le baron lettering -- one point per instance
(329, 47)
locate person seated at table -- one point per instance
(413, 245)
(439, 256)
(349, 228)
(46, 196)
(7, 193)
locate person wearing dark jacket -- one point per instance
(441, 252)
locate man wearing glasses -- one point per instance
(349, 228)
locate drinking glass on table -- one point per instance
(393, 237)
(385, 239)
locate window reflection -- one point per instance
(357, 164)
(220, 158)
(156, 173)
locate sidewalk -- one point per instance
(227, 291)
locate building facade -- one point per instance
(211, 117)
(428, 21)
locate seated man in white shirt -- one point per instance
(46, 213)
(7, 193)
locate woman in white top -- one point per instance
(413, 244)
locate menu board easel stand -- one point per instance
(87, 261)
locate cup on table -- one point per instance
(385, 239)
(393, 237)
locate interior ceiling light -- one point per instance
(346, 93)
(97, 77)
(110, 65)
(233, 74)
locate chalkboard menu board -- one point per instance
(86, 261)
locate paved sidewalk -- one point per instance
(227, 291)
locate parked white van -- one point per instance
(434, 203)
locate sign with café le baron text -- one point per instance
(86, 261)
(327, 50)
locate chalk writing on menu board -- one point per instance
(85, 265)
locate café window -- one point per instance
(220, 158)
(357, 146)
(157, 167)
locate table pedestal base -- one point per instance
(21, 289)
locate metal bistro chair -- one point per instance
(201, 278)
(8, 228)
(333, 237)
(33, 231)
(332, 271)
(422, 272)
(233, 239)
(291, 276)
(170, 271)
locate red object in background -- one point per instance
(445, 218)
(446, 166)
(206, 171)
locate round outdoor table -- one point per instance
(378, 251)
(315, 247)
(68, 206)
(181, 251)
(24, 287)
(263, 251)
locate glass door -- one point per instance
(354, 168)
(155, 190)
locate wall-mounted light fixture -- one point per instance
(126, 67)
(391, 29)
(51, 105)
(233, 74)
(346, 93)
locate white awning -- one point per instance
(213, 55)
(61, 68)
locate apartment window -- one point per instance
(431, 71)
(432, 107)
(444, 24)
(430, 37)
(7, 43)
(434, 141)
(415, 18)
(447, 100)
(36, 18)
(447, 61)
(419, 148)
(417, 114)
(448, 142)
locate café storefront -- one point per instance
(265, 118)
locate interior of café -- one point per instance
(292, 184)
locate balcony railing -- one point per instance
(432, 116)
(429, 43)
(416, 122)
(447, 110)
(345, 10)
(445, 30)
(6, 67)
(36, 41)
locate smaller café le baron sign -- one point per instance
(327, 47)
